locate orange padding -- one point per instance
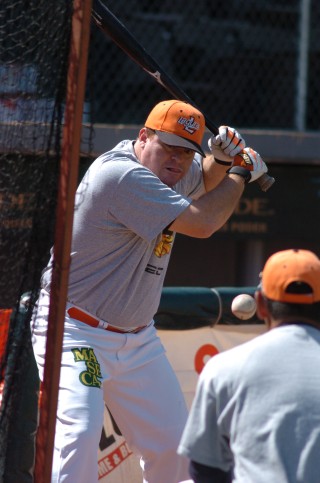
(5, 315)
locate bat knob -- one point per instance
(265, 182)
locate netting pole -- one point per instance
(303, 65)
(79, 43)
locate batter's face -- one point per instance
(169, 163)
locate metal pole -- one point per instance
(303, 65)
(64, 218)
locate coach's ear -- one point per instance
(262, 311)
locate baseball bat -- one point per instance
(121, 36)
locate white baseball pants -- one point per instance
(131, 374)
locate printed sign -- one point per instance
(188, 351)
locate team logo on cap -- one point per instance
(190, 125)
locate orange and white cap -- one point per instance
(284, 271)
(178, 123)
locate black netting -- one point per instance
(246, 63)
(33, 66)
(34, 48)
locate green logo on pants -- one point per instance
(91, 376)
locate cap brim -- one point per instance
(174, 140)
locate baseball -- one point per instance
(243, 306)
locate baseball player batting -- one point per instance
(130, 204)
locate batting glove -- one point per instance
(226, 145)
(248, 164)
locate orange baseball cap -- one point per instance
(291, 266)
(178, 124)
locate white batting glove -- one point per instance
(248, 161)
(227, 144)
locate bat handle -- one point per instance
(265, 182)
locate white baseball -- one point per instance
(243, 306)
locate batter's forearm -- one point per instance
(206, 215)
(213, 173)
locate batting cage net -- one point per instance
(248, 63)
(34, 52)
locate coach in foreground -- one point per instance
(128, 207)
(256, 413)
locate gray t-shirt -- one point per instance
(257, 407)
(120, 254)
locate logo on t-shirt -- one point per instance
(165, 244)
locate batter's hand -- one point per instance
(251, 161)
(227, 144)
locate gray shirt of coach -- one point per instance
(255, 417)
